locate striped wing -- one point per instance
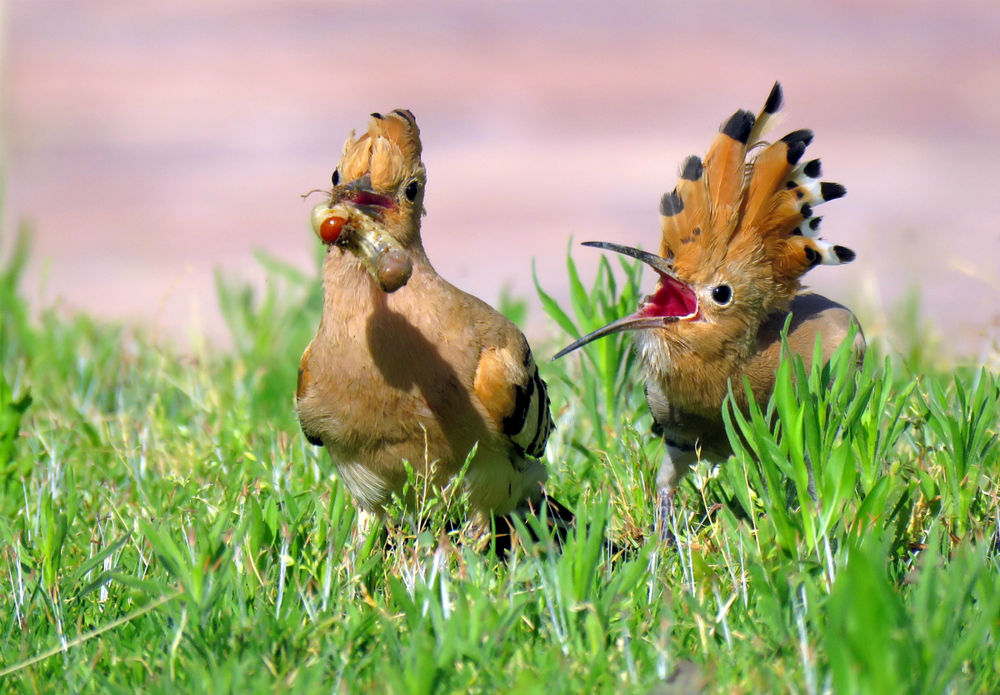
(301, 387)
(508, 385)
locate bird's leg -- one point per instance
(366, 520)
(677, 461)
(812, 479)
(665, 510)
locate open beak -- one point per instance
(671, 301)
(354, 222)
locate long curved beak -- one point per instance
(629, 323)
(658, 263)
(668, 285)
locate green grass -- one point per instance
(164, 526)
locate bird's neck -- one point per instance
(694, 370)
(351, 295)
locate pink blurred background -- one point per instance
(149, 143)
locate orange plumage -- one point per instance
(738, 234)
(406, 370)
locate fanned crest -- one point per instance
(391, 145)
(753, 203)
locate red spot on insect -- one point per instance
(329, 229)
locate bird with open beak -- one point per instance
(738, 234)
(406, 368)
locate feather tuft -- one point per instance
(671, 204)
(810, 227)
(771, 107)
(755, 212)
(813, 169)
(389, 151)
(739, 125)
(831, 191)
(844, 254)
(804, 136)
(774, 99)
(795, 151)
(693, 168)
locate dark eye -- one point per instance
(411, 191)
(336, 177)
(722, 294)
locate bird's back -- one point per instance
(812, 315)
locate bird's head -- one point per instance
(714, 309)
(737, 236)
(377, 199)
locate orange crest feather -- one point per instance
(728, 209)
(388, 151)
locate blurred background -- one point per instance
(148, 144)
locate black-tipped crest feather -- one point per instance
(795, 151)
(774, 99)
(693, 168)
(671, 204)
(728, 209)
(831, 191)
(844, 254)
(805, 135)
(739, 125)
(813, 169)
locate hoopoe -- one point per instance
(738, 234)
(404, 366)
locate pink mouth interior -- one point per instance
(373, 199)
(671, 298)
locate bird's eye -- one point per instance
(411, 191)
(336, 177)
(722, 295)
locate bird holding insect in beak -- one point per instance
(404, 366)
(738, 234)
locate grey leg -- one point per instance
(677, 461)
